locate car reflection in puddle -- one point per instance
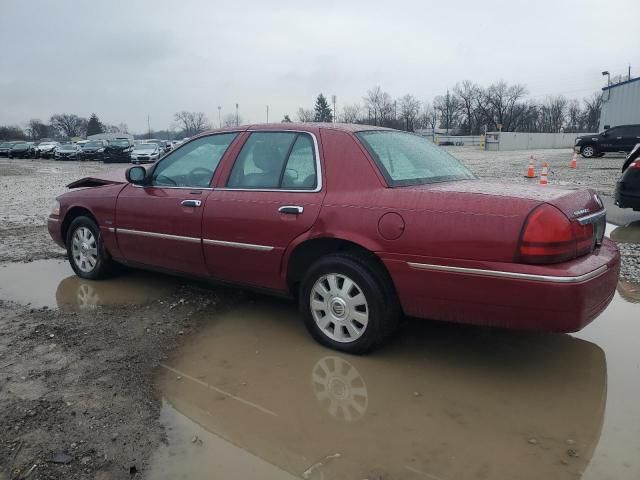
(441, 402)
(52, 283)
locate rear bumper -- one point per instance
(558, 298)
(626, 197)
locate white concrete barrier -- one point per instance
(526, 141)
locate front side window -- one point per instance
(194, 164)
(405, 159)
(275, 160)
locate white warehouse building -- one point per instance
(620, 104)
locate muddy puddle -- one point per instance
(53, 284)
(252, 396)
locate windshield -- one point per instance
(92, 144)
(146, 146)
(119, 143)
(67, 146)
(406, 159)
(19, 145)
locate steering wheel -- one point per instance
(198, 172)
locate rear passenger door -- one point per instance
(272, 195)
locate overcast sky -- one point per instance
(124, 60)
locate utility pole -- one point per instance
(148, 127)
(237, 121)
(220, 115)
(333, 99)
(267, 113)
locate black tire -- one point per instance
(588, 151)
(372, 281)
(103, 265)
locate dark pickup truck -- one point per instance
(616, 139)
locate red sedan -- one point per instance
(360, 224)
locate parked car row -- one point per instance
(119, 150)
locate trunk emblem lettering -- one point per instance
(579, 213)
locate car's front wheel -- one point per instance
(85, 248)
(588, 151)
(348, 303)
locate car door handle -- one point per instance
(618, 138)
(191, 203)
(291, 209)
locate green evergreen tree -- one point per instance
(94, 125)
(322, 110)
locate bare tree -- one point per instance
(374, 101)
(351, 113)
(574, 116)
(36, 129)
(409, 110)
(305, 115)
(468, 92)
(425, 116)
(69, 124)
(591, 113)
(448, 108)
(229, 120)
(192, 123)
(498, 105)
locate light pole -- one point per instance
(606, 72)
(237, 121)
(220, 115)
(267, 113)
(333, 99)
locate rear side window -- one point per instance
(627, 132)
(405, 159)
(275, 160)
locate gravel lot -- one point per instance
(60, 369)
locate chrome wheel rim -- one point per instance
(587, 151)
(84, 249)
(339, 308)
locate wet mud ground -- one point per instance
(151, 376)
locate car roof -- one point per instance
(299, 126)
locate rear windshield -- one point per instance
(119, 143)
(406, 159)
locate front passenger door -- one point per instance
(160, 224)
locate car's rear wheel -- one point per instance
(85, 248)
(588, 151)
(348, 303)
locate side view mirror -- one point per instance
(604, 134)
(136, 175)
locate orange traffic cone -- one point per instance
(574, 161)
(543, 176)
(531, 172)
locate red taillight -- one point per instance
(585, 239)
(635, 164)
(547, 237)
